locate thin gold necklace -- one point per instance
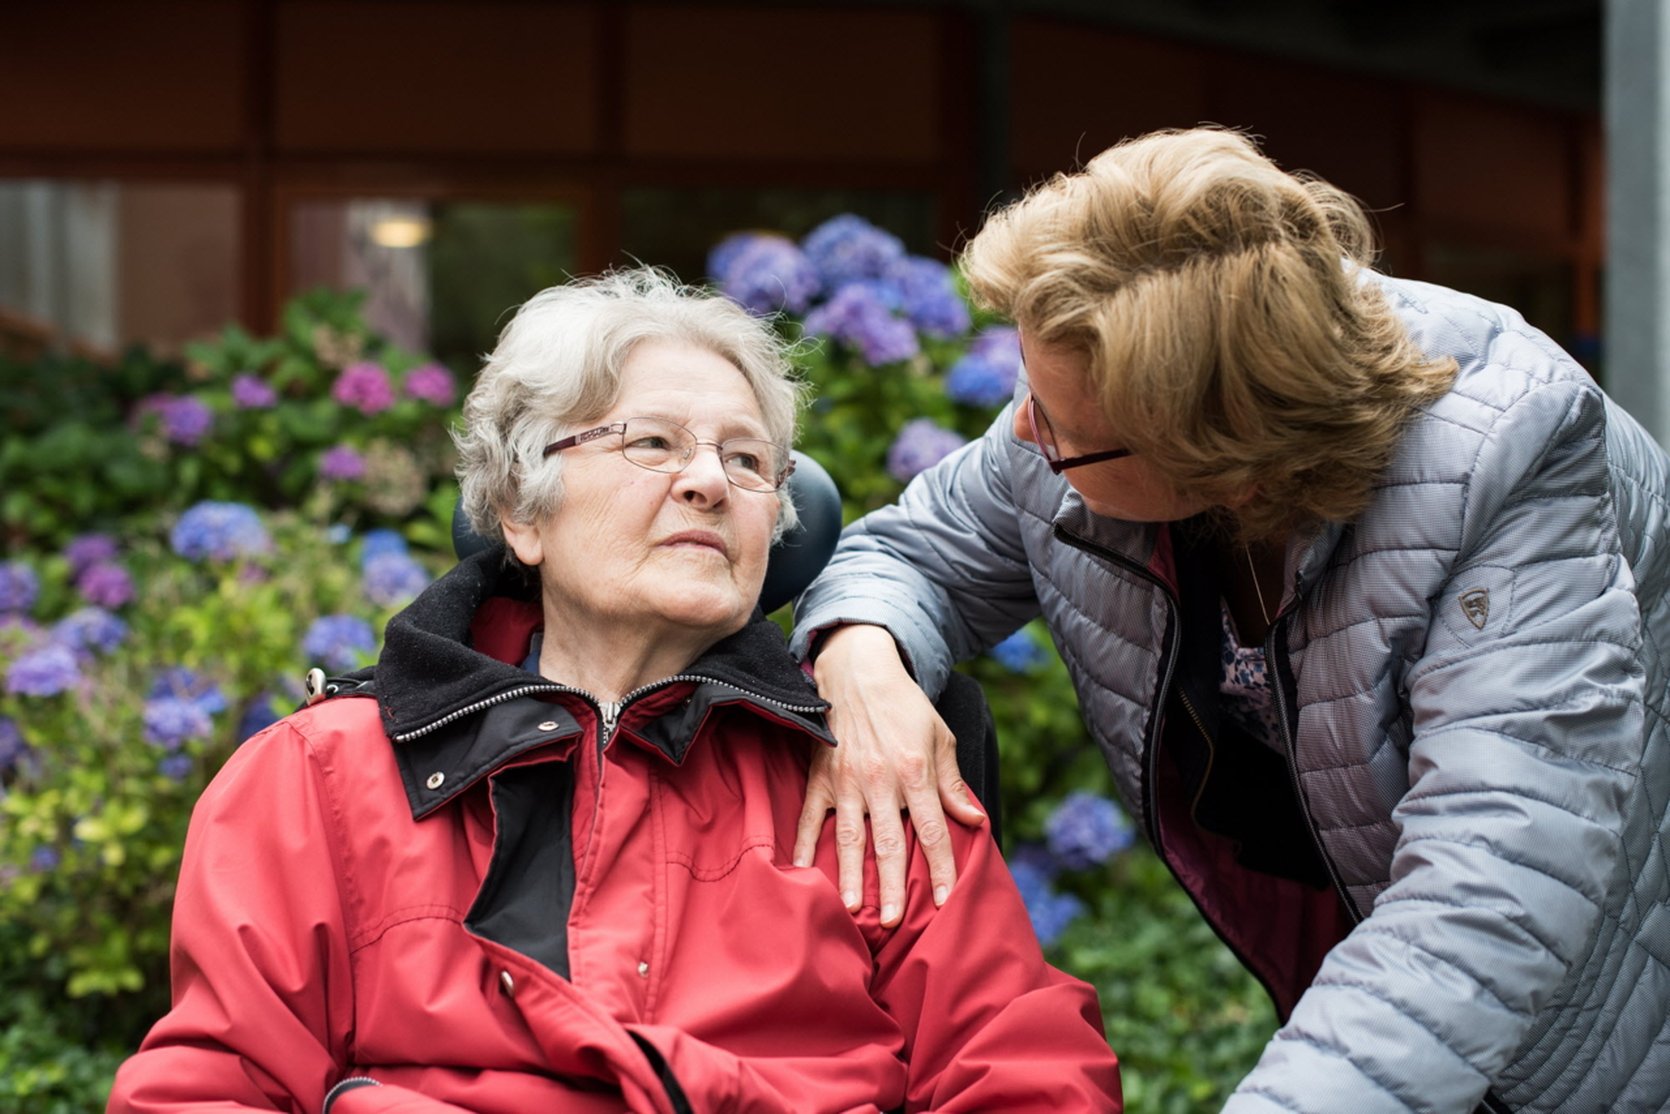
(1262, 610)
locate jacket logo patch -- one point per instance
(1475, 604)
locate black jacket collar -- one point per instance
(455, 713)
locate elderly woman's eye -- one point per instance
(650, 442)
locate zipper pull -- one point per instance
(610, 710)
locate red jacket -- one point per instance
(513, 909)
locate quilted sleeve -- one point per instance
(944, 569)
(1526, 746)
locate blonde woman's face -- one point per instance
(1127, 488)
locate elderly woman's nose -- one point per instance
(704, 475)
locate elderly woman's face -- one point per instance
(658, 549)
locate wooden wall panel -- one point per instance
(1503, 171)
(708, 82)
(427, 77)
(1078, 89)
(115, 76)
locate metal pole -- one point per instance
(1637, 335)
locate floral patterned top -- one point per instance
(1244, 691)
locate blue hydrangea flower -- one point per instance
(90, 630)
(928, 295)
(1087, 829)
(13, 747)
(179, 683)
(338, 533)
(262, 713)
(19, 587)
(87, 550)
(921, 444)
(858, 317)
(394, 579)
(186, 420)
(977, 381)
(771, 274)
(220, 532)
(43, 859)
(176, 766)
(170, 721)
(848, 248)
(339, 641)
(44, 671)
(379, 542)
(1050, 912)
(1020, 652)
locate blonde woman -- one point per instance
(1362, 585)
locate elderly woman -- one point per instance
(1362, 583)
(539, 860)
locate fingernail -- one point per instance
(850, 900)
(799, 861)
(888, 912)
(940, 893)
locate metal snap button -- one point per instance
(507, 984)
(548, 725)
(643, 969)
(435, 780)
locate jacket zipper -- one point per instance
(1151, 821)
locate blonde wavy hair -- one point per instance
(1235, 342)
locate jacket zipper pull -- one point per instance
(611, 712)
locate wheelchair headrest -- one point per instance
(796, 558)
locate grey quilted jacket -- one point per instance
(1479, 734)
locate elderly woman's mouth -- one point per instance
(700, 539)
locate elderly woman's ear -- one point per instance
(522, 538)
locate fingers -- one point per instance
(814, 811)
(850, 837)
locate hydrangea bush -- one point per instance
(903, 374)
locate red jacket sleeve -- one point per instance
(262, 999)
(988, 1024)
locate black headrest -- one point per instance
(796, 558)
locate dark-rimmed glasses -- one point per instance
(750, 463)
(1044, 437)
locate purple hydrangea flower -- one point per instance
(341, 463)
(19, 587)
(261, 714)
(929, 297)
(185, 419)
(219, 531)
(13, 747)
(88, 550)
(724, 253)
(857, 316)
(921, 444)
(1000, 344)
(176, 766)
(771, 274)
(90, 630)
(105, 584)
(1020, 652)
(179, 683)
(169, 722)
(43, 859)
(1087, 829)
(1050, 912)
(848, 248)
(977, 381)
(394, 579)
(365, 386)
(44, 671)
(432, 383)
(379, 542)
(250, 392)
(339, 641)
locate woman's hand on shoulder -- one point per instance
(894, 754)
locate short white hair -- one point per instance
(558, 364)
